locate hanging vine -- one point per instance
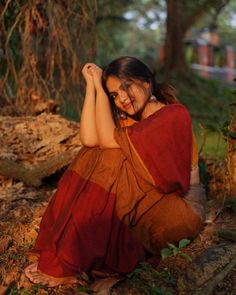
(43, 45)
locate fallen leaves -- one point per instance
(4, 243)
(2, 289)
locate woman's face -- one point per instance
(129, 96)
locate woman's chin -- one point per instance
(130, 111)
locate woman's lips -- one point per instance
(127, 106)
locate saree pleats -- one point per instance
(80, 230)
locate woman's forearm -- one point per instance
(104, 120)
(88, 132)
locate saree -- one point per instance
(112, 206)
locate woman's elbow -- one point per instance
(108, 144)
(88, 142)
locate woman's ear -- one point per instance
(146, 85)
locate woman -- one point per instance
(129, 191)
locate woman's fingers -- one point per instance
(90, 69)
(95, 70)
(86, 72)
(92, 73)
(97, 76)
(86, 68)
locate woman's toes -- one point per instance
(31, 269)
(36, 276)
(39, 278)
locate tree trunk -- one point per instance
(174, 46)
(231, 157)
(34, 147)
(208, 270)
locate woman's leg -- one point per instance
(83, 235)
(80, 230)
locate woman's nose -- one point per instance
(123, 96)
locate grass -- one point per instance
(147, 280)
(207, 100)
(211, 144)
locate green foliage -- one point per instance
(15, 256)
(226, 28)
(149, 281)
(210, 104)
(135, 273)
(12, 290)
(33, 290)
(154, 290)
(214, 134)
(121, 26)
(85, 289)
(231, 204)
(167, 277)
(176, 250)
(211, 143)
(208, 100)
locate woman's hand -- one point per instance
(86, 72)
(88, 132)
(96, 73)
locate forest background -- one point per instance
(43, 47)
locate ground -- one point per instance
(21, 209)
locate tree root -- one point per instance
(210, 286)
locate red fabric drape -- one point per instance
(164, 143)
(111, 204)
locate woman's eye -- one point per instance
(113, 96)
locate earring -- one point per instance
(152, 98)
(122, 115)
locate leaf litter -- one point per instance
(21, 210)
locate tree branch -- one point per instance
(200, 10)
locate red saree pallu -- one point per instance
(113, 204)
(159, 153)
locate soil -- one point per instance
(21, 209)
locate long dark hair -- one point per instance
(127, 68)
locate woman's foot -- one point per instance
(36, 276)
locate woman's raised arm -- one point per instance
(104, 121)
(88, 132)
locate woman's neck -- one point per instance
(150, 108)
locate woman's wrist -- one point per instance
(90, 86)
(89, 82)
(99, 88)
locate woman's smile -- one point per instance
(127, 105)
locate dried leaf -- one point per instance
(4, 243)
(2, 289)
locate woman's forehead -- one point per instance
(113, 83)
